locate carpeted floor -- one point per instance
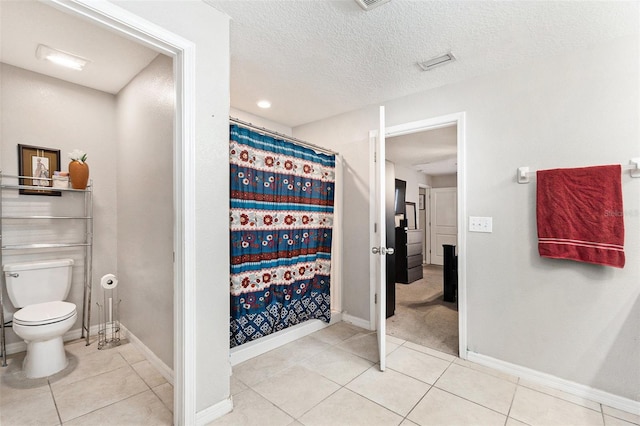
(422, 316)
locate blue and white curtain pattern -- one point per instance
(281, 221)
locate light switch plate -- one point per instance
(480, 224)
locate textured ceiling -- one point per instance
(314, 59)
(114, 60)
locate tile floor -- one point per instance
(115, 386)
(331, 378)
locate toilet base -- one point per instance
(45, 358)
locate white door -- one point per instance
(379, 251)
(444, 221)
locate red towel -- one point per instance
(580, 215)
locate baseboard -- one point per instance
(265, 344)
(159, 365)
(554, 382)
(358, 322)
(214, 412)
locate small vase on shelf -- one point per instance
(78, 170)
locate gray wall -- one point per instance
(144, 174)
(44, 111)
(575, 321)
(208, 29)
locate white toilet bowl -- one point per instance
(42, 326)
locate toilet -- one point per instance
(38, 290)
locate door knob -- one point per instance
(390, 250)
(375, 250)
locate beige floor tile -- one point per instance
(82, 397)
(296, 389)
(337, 333)
(560, 394)
(27, 406)
(255, 370)
(249, 409)
(165, 393)
(429, 351)
(338, 365)
(487, 370)
(236, 385)
(614, 421)
(478, 387)
(148, 373)
(392, 390)
(623, 415)
(442, 408)
(536, 408)
(513, 422)
(348, 408)
(88, 364)
(142, 409)
(407, 422)
(417, 364)
(129, 352)
(302, 349)
(395, 340)
(79, 347)
(366, 346)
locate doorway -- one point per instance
(182, 52)
(456, 120)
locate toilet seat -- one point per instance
(44, 313)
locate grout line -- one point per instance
(513, 398)
(54, 401)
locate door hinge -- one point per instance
(375, 298)
(375, 156)
(375, 227)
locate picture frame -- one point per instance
(421, 198)
(38, 162)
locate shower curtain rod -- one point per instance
(282, 136)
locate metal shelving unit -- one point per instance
(87, 216)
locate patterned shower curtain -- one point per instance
(281, 221)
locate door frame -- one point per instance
(183, 53)
(458, 119)
(427, 226)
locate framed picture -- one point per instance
(39, 164)
(421, 201)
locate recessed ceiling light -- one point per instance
(264, 104)
(436, 62)
(61, 58)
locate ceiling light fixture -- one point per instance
(370, 4)
(61, 58)
(264, 104)
(436, 62)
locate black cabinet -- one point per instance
(408, 255)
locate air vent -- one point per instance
(370, 4)
(436, 62)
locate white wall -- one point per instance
(209, 30)
(413, 178)
(260, 121)
(44, 111)
(145, 111)
(444, 181)
(575, 321)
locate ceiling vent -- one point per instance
(370, 4)
(436, 62)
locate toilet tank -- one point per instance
(38, 282)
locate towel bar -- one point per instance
(525, 176)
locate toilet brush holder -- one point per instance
(108, 312)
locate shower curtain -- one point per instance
(281, 220)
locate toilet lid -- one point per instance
(44, 313)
